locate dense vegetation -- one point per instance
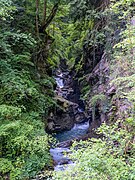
(34, 37)
(25, 94)
(112, 156)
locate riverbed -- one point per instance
(61, 161)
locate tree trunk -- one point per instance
(37, 17)
(49, 19)
(44, 13)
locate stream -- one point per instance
(61, 161)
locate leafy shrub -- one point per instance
(102, 159)
(9, 112)
(97, 98)
(24, 147)
(5, 165)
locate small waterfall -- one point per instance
(59, 82)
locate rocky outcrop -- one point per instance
(67, 111)
(99, 95)
(80, 117)
(63, 118)
(102, 101)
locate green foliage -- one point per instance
(123, 57)
(111, 157)
(95, 99)
(85, 31)
(58, 30)
(5, 165)
(72, 32)
(24, 146)
(102, 159)
(86, 88)
(6, 8)
(9, 112)
(25, 99)
(85, 92)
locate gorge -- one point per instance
(79, 121)
(67, 90)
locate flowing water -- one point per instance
(77, 131)
(62, 162)
(59, 82)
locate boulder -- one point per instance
(63, 122)
(50, 126)
(64, 102)
(64, 118)
(80, 117)
(64, 161)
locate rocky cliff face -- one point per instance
(70, 109)
(102, 102)
(99, 98)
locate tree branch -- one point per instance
(49, 19)
(44, 13)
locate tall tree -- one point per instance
(41, 27)
(37, 17)
(44, 12)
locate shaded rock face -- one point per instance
(111, 108)
(101, 74)
(60, 123)
(80, 117)
(63, 118)
(70, 109)
(95, 123)
(97, 78)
